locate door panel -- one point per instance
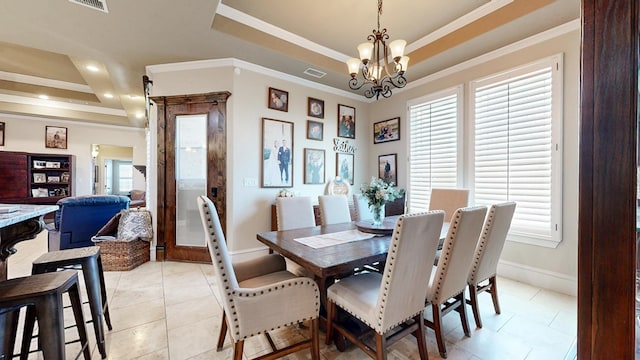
(180, 235)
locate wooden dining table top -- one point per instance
(334, 260)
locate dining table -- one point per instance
(18, 222)
(340, 259)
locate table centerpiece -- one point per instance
(378, 193)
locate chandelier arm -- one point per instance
(355, 85)
(398, 81)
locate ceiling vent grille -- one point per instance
(315, 73)
(100, 5)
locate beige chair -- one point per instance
(294, 212)
(257, 309)
(448, 281)
(361, 206)
(487, 254)
(391, 303)
(448, 200)
(334, 209)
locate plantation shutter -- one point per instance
(433, 149)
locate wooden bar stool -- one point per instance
(42, 294)
(88, 258)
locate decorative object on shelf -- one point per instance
(344, 167)
(55, 137)
(53, 179)
(315, 108)
(277, 153)
(314, 166)
(387, 168)
(39, 177)
(380, 76)
(346, 121)
(315, 130)
(378, 193)
(387, 130)
(278, 99)
(285, 193)
(337, 186)
(64, 177)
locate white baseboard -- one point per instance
(539, 277)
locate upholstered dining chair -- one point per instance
(334, 209)
(257, 309)
(394, 299)
(294, 212)
(448, 200)
(361, 207)
(446, 287)
(486, 256)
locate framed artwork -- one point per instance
(315, 130)
(346, 121)
(277, 153)
(55, 137)
(1, 134)
(315, 107)
(387, 168)
(313, 166)
(344, 167)
(39, 178)
(278, 99)
(387, 130)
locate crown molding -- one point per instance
(35, 80)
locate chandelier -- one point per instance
(377, 72)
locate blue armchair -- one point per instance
(80, 217)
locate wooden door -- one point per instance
(170, 110)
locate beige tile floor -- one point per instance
(168, 310)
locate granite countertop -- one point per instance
(14, 213)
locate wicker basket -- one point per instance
(120, 255)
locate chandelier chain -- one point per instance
(379, 12)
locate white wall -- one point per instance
(27, 134)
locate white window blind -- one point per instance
(433, 147)
(515, 155)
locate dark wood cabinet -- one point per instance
(35, 178)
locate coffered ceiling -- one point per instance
(46, 46)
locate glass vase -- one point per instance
(378, 214)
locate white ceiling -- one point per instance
(45, 45)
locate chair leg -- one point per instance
(462, 310)
(103, 288)
(419, 334)
(76, 305)
(223, 332)
(437, 327)
(27, 332)
(473, 300)
(331, 313)
(237, 350)
(51, 326)
(494, 293)
(381, 347)
(315, 339)
(90, 271)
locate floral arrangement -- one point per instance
(378, 192)
(284, 193)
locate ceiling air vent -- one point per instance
(100, 5)
(315, 73)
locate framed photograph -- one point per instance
(313, 166)
(277, 153)
(388, 130)
(315, 108)
(346, 121)
(39, 164)
(64, 177)
(315, 130)
(1, 134)
(344, 167)
(387, 168)
(53, 179)
(40, 192)
(39, 178)
(55, 137)
(278, 99)
(52, 164)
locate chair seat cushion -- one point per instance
(267, 279)
(358, 294)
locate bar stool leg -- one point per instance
(51, 325)
(9, 322)
(103, 288)
(76, 305)
(90, 271)
(27, 332)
